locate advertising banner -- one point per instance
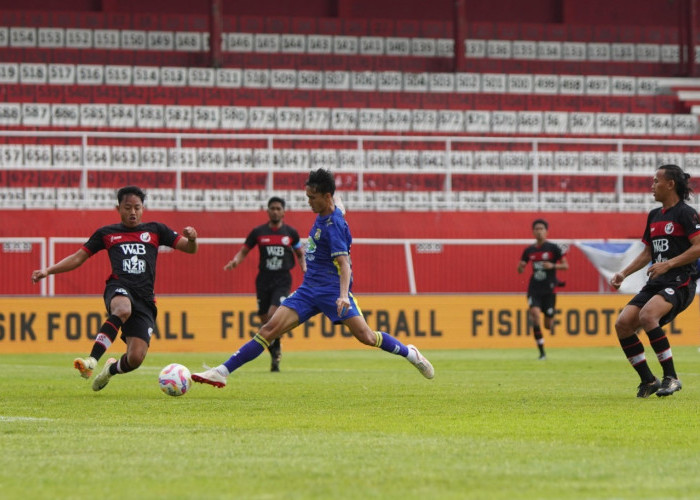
(223, 323)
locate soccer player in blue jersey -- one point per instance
(326, 289)
(672, 245)
(132, 247)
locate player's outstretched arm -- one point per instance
(189, 244)
(638, 263)
(67, 264)
(235, 262)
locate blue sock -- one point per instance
(389, 344)
(248, 352)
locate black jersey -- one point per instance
(133, 253)
(542, 280)
(276, 247)
(668, 233)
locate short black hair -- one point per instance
(540, 221)
(322, 181)
(275, 199)
(127, 190)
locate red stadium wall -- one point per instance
(593, 12)
(453, 269)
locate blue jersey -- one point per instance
(329, 238)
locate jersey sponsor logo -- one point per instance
(670, 291)
(660, 245)
(274, 251)
(133, 249)
(115, 237)
(145, 237)
(134, 265)
(273, 264)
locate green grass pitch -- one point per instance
(493, 424)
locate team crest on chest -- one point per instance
(669, 228)
(145, 237)
(317, 234)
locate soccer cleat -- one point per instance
(542, 357)
(420, 362)
(646, 389)
(85, 366)
(103, 377)
(669, 386)
(275, 365)
(211, 377)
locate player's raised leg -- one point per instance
(362, 332)
(282, 321)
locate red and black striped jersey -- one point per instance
(542, 280)
(133, 253)
(275, 245)
(668, 233)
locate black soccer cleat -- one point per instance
(646, 389)
(669, 386)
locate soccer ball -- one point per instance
(175, 379)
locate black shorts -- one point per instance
(679, 296)
(142, 321)
(271, 290)
(545, 301)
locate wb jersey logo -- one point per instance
(132, 264)
(660, 245)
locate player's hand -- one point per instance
(190, 233)
(343, 306)
(547, 265)
(657, 269)
(38, 275)
(230, 265)
(616, 280)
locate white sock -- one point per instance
(412, 355)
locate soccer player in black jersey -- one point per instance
(672, 239)
(277, 243)
(546, 258)
(132, 247)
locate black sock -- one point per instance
(634, 350)
(108, 332)
(662, 348)
(121, 366)
(537, 332)
(275, 348)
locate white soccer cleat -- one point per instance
(420, 362)
(85, 366)
(103, 377)
(211, 377)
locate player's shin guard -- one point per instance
(389, 344)
(634, 350)
(248, 352)
(108, 332)
(662, 348)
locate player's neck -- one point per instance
(327, 211)
(666, 204)
(275, 225)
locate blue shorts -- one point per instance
(308, 302)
